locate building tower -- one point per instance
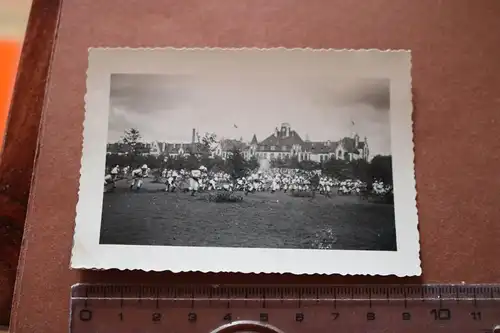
(285, 130)
(254, 140)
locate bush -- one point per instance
(224, 196)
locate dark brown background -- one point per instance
(456, 78)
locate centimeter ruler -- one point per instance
(285, 308)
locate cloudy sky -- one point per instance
(167, 108)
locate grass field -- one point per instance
(152, 217)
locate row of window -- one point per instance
(297, 147)
(273, 148)
(346, 156)
(300, 156)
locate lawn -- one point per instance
(152, 217)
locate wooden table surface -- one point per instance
(13, 20)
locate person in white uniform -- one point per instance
(115, 171)
(108, 179)
(137, 176)
(194, 181)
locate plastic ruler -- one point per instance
(285, 308)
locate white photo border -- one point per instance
(395, 65)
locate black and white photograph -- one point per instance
(266, 163)
(232, 153)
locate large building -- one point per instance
(177, 149)
(282, 143)
(158, 148)
(286, 143)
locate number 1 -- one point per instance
(476, 315)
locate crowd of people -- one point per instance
(260, 180)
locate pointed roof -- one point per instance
(349, 145)
(254, 140)
(279, 140)
(321, 147)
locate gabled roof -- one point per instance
(349, 145)
(278, 140)
(254, 140)
(320, 147)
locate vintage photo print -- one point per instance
(248, 160)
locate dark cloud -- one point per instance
(373, 92)
(340, 93)
(148, 93)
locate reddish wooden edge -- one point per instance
(18, 157)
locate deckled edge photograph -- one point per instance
(248, 160)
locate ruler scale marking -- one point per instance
(370, 297)
(444, 308)
(157, 298)
(475, 298)
(405, 299)
(440, 299)
(335, 298)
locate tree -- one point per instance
(309, 165)
(278, 163)
(131, 141)
(176, 163)
(207, 143)
(381, 169)
(218, 164)
(336, 168)
(361, 170)
(253, 163)
(116, 159)
(154, 162)
(237, 164)
(293, 163)
(191, 162)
